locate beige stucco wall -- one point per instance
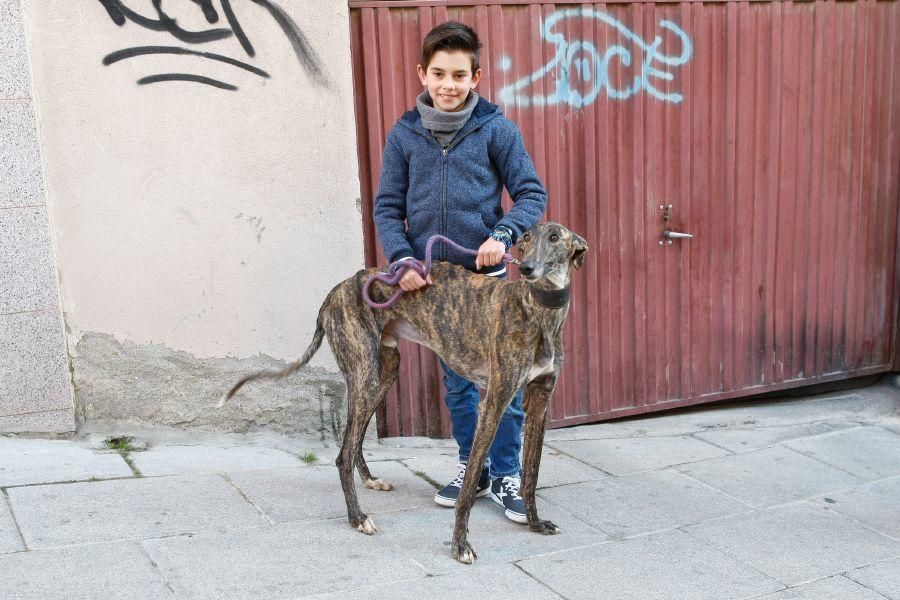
(189, 219)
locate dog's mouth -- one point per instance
(543, 272)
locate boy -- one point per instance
(444, 168)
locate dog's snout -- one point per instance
(527, 268)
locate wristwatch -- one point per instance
(503, 234)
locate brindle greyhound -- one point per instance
(499, 334)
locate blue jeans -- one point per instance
(462, 401)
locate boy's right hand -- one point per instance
(413, 281)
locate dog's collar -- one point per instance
(551, 298)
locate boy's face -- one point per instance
(449, 78)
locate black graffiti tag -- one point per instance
(120, 14)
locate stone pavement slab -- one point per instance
(556, 468)
(883, 577)
(670, 565)
(281, 561)
(832, 588)
(876, 505)
(10, 541)
(313, 493)
(99, 511)
(626, 456)
(642, 503)
(868, 452)
(500, 581)
(424, 535)
(745, 439)
(93, 572)
(872, 403)
(796, 544)
(770, 476)
(26, 462)
(186, 460)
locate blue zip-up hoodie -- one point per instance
(454, 191)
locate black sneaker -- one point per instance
(505, 492)
(448, 495)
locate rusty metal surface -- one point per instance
(773, 130)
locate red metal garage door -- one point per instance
(771, 129)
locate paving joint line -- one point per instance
(576, 459)
(76, 481)
(156, 568)
(693, 437)
(862, 585)
(714, 488)
(862, 524)
(740, 561)
(421, 474)
(824, 462)
(15, 521)
(246, 497)
(532, 577)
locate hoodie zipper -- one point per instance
(444, 174)
(444, 169)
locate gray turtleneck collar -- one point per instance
(444, 125)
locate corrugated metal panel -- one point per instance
(771, 129)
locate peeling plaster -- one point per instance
(151, 384)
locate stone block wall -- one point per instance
(35, 386)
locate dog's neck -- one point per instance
(555, 299)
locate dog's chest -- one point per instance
(543, 358)
(540, 368)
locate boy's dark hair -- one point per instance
(450, 36)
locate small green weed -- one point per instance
(308, 457)
(119, 444)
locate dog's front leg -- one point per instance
(535, 402)
(490, 410)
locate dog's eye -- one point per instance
(554, 238)
(526, 238)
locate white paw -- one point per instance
(379, 484)
(367, 526)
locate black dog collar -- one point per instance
(551, 298)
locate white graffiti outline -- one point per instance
(567, 51)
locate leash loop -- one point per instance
(397, 269)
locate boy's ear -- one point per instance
(422, 75)
(476, 78)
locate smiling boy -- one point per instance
(445, 165)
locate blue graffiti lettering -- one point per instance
(582, 60)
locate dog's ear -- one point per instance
(581, 248)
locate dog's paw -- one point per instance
(378, 484)
(464, 553)
(544, 527)
(367, 526)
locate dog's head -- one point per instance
(549, 252)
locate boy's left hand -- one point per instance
(490, 253)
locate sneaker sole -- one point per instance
(451, 502)
(512, 516)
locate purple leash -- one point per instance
(396, 270)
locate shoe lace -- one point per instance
(457, 481)
(511, 486)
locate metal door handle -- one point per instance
(676, 235)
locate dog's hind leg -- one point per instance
(362, 383)
(390, 368)
(537, 398)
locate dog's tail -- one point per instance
(289, 370)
